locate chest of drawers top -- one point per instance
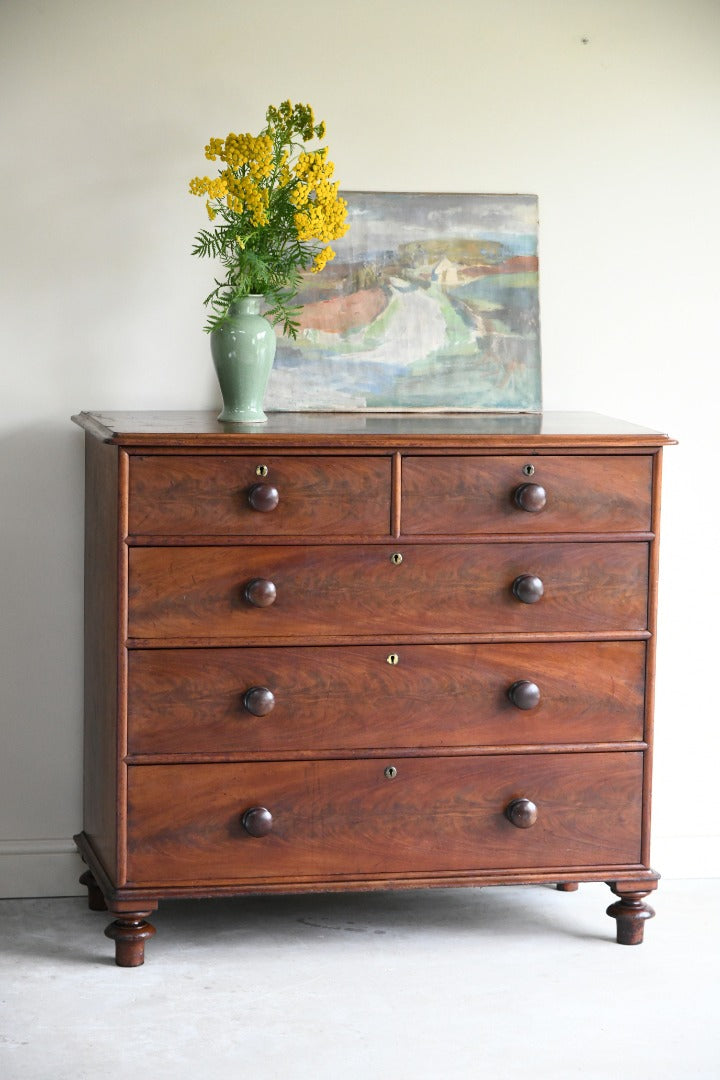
(333, 478)
(496, 431)
(374, 476)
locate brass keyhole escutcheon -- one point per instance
(396, 558)
(390, 772)
(393, 658)
(261, 470)
(529, 470)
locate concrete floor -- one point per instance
(494, 983)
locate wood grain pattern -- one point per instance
(193, 495)
(474, 495)
(462, 589)
(340, 817)
(346, 698)
(101, 765)
(651, 655)
(133, 897)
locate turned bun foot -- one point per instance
(96, 900)
(567, 886)
(129, 931)
(630, 914)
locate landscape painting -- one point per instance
(431, 303)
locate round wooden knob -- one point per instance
(257, 821)
(260, 592)
(528, 588)
(263, 497)
(524, 694)
(259, 701)
(522, 813)
(530, 497)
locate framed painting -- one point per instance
(431, 303)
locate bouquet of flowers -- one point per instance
(274, 207)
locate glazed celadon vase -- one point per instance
(243, 350)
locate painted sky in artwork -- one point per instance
(430, 303)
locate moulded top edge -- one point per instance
(392, 430)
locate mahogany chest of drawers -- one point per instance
(350, 652)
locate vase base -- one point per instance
(242, 416)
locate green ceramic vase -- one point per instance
(243, 350)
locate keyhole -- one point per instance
(390, 772)
(396, 558)
(528, 470)
(261, 470)
(393, 658)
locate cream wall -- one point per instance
(106, 109)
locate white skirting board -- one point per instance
(52, 867)
(40, 868)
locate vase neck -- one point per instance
(246, 305)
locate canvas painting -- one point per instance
(431, 303)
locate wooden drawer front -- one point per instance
(335, 818)
(187, 495)
(473, 495)
(350, 591)
(345, 698)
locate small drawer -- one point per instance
(260, 593)
(527, 495)
(259, 495)
(296, 699)
(369, 818)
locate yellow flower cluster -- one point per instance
(313, 166)
(299, 195)
(214, 149)
(324, 217)
(238, 151)
(203, 185)
(321, 259)
(252, 158)
(321, 212)
(244, 193)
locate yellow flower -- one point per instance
(313, 166)
(303, 226)
(321, 259)
(203, 185)
(214, 149)
(299, 195)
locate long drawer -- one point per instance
(261, 495)
(574, 493)
(328, 591)
(236, 701)
(346, 818)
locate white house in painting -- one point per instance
(445, 272)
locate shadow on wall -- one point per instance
(41, 585)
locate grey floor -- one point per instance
(494, 983)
